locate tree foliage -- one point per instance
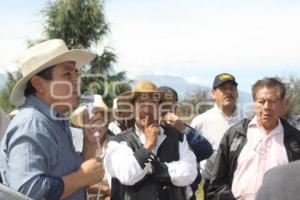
(195, 103)
(81, 24)
(293, 93)
(11, 80)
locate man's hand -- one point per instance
(151, 131)
(104, 189)
(97, 123)
(173, 120)
(91, 171)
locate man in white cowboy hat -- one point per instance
(12, 114)
(37, 156)
(148, 161)
(77, 120)
(121, 121)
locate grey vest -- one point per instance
(149, 188)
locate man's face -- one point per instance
(145, 112)
(267, 107)
(62, 90)
(166, 107)
(225, 95)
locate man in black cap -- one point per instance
(199, 144)
(213, 123)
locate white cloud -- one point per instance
(196, 80)
(182, 37)
(17, 26)
(259, 34)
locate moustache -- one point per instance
(228, 97)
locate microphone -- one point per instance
(88, 100)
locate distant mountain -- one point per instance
(179, 84)
(183, 87)
(245, 97)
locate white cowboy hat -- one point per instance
(44, 55)
(77, 115)
(115, 106)
(13, 113)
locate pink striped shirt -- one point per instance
(261, 152)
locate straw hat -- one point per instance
(13, 113)
(77, 115)
(115, 106)
(141, 88)
(42, 56)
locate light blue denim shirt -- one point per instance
(36, 144)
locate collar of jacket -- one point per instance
(242, 127)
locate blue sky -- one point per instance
(194, 39)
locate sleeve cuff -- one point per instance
(144, 156)
(161, 172)
(190, 133)
(56, 187)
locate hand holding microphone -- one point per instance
(94, 117)
(89, 107)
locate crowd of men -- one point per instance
(146, 151)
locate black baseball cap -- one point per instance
(224, 78)
(169, 90)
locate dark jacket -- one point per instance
(199, 144)
(153, 186)
(202, 150)
(229, 150)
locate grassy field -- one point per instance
(199, 192)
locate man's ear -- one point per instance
(213, 91)
(38, 84)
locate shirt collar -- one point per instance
(277, 130)
(161, 137)
(43, 107)
(218, 110)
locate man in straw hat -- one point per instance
(121, 120)
(148, 161)
(37, 156)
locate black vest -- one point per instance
(148, 188)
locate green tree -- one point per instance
(195, 103)
(81, 24)
(293, 93)
(11, 80)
